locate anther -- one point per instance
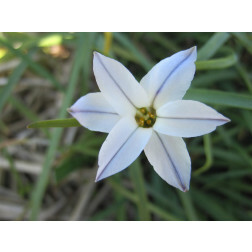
(143, 111)
(145, 117)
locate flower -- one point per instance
(149, 116)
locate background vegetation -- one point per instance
(48, 174)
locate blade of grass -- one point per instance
(164, 41)
(39, 69)
(42, 182)
(126, 42)
(136, 175)
(188, 206)
(167, 201)
(232, 144)
(55, 123)
(121, 211)
(217, 97)
(153, 208)
(212, 45)
(219, 63)
(87, 65)
(211, 206)
(208, 154)
(245, 76)
(25, 111)
(211, 77)
(244, 40)
(12, 81)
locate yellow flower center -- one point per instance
(146, 117)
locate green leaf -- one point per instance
(188, 205)
(56, 123)
(39, 69)
(244, 39)
(40, 187)
(212, 45)
(164, 214)
(127, 43)
(12, 81)
(209, 155)
(217, 97)
(139, 186)
(219, 63)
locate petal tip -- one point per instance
(69, 110)
(194, 48)
(185, 189)
(227, 120)
(193, 51)
(98, 177)
(96, 54)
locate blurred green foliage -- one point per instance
(221, 186)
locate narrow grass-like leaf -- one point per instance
(219, 63)
(245, 76)
(230, 143)
(212, 45)
(217, 97)
(167, 202)
(40, 187)
(56, 123)
(244, 40)
(12, 81)
(39, 69)
(212, 206)
(87, 59)
(121, 213)
(212, 77)
(153, 208)
(188, 205)
(164, 41)
(208, 154)
(138, 181)
(25, 111)
(144, 61)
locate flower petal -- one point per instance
(123, 145)
(170, 78)
(186, 118)
(94, 112)
(170, 159)
(118, 85)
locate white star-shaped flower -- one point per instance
(149, 116)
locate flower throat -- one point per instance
(146, 117)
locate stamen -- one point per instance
(143, 111)
(145, 117)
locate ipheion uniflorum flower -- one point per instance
(148, 116)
